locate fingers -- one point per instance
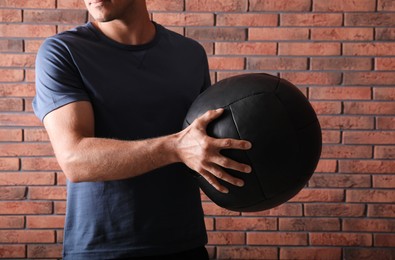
(228, 143)
(210, 178)
(231, 164)
(209, 116)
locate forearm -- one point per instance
(99, 159)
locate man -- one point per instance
(112, 95)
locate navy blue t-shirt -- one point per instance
(137, 92)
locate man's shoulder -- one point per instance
(180, 40)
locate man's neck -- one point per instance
(136, 29)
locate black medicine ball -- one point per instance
(283, 128)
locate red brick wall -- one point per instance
(341, 53)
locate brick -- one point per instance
(286, 209)
(367, 166)
(211, 209)
(326, 166)
(60, 207)
(10, 135)
(276, 238)
(25, 207)
(246, 48)
(276, 63)
(334, 210)
(277, 34)
(11, 222)
(383, 196)
(369, 137)
(47, 193)
(10, 15)
(340, 239)
(17, 60)
(310, 253)
(244, 252)
(369, 19)
(385, 34)
(225, 238)
(246, 19)
(369, 78)
(216, 34)
(184, 19)
(216, 6)
(27, 236)
(12, 251)
(341, 63)
(387, 240)
(312, 78)
(26, 149)
(32, 46)
(12, 193)
(44, 221)
(369, 225)
(60, 178)
(35, 135)
(384, 181)
(71, 4)
(220, 75)
(330, 137)
(27, 178)
(318, 195)
(385, 123)
(283, 6)
(59, 236)
(9, 164)
(386, 5)
(346, 122)
(342, 34)
(384, 93)
(369, 108)
(26, 30)
(17, 90)
(322, 108)
(238, 224)
(209, 223)
(340, 181)
(346, 151)
(44, 251)
(339, 93)
(11, 104)
(55, 16)
(385, 64)
(19, 119)
(309, 224)
(11, 45)
(344, 6)
(226, 63)
(309, 48)
(163, 5)
(40, 164)
(369, 253)
(369, 49)
(384, 152)
(27, 4)
(381, 210)
(311, 20)
(11, 75)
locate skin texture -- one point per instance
(84, 157)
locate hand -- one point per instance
(201, 152)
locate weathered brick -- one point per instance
(381, 210)
(309, 224)
(10, 135)
(341, 63)
(386, 240)
(327, 107)
(277, 34)
(26, 30)
(340, 181)
(28, 4)
(35, 135)
(211, 209)
(27, 178)
(12, 193)
(246, 48)
(326, 166)
(286, 209)
(367, 166)
(47, 193)
(309, 49)
(384, 181)
(25, 207)
(19, 119)
(11, 222)
(369, 253)
(341, 239)
(26, 149)
(330, 137)
(346, 151)
(217, 33)
(226, 63)
(40, 164)
(11, 45)
(246, 19)
(9, 164)
(216, 6)
(12, 251)
(369, 137)
(340, 93)
(17, 89)
(310, 253)
(276, 238)
(244, 252)
(44, 221)
(369, 19)
(318, 195)
(368, 225)
(246, 224)
(369, 49)
(385, 34)
(312, 78)
(27, 236)
(283, 6)
(384, 152)
(344, 6)
(311, 19)
(276, 63)
(44, 251)
(346, 122)
(385, 123)
(225, 238)
(55, 16)
(383, 196)
(342, 34)
(162, 5)
(184, 19)
(11, 75)
(10, 15)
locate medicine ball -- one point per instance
(283, 128)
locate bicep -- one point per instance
(68, 125)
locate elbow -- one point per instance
(72, 168)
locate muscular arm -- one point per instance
(83, 157)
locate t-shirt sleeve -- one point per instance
(58, 81)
